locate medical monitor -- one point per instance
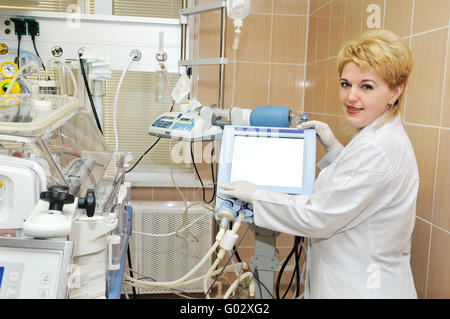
(277, 159)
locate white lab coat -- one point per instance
(359, 218)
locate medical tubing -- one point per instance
(33, 55)
(91, 100)
(146, 284)
(72, 76)
(185, 212)
(183, 280)
(15, 77)
(221, 254)
(234, 248)
(233, 262)
(235, 284)
(116, 137)
(193, 270)
(210, 270)
(177, 292)
(233, 88)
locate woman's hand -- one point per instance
(241, 190)
(326, 136)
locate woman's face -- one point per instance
(364, 96)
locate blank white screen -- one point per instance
(268, 161)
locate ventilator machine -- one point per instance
(65, 213)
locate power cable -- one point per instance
(91, 100)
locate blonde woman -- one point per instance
(361, 213)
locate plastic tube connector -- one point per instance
(228, 240)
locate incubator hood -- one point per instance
(58, 134)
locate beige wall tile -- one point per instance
(289, 39)
(209, 35)
(251, 85)
(254, 39)
(323, 32)
(332, 105)
(285, 240)
(426, 82)
(141, 193)
(341, 129)
(337, 26)
(168, 194)
(316, 4)
(309, 89)
(430, 14)
(286, 86)
(320, 88)
(249, 239)
(446, 106)
(439, 274)
(441, 215)
(419, 255)
(320, 150)
(312, 38)
(290, 6)
(261, 6)
(424, 141)
(353, 19)
(398, 16)
(208, 84)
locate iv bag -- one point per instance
(238, 10)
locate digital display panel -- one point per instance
(268, 161)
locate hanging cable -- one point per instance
(33, 39)
(200, 179)
(91, 100)
(297, 250)
(148, 150)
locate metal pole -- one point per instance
(183, 33)
(222, 55)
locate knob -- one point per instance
(88, 202)
(57, 196)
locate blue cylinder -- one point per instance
(270, 115)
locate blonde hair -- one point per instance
(385, 52)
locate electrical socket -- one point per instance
(32, 26)
(19, 26)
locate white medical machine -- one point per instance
(279, 159)
(63, 222)
(183, 126)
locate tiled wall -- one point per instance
(278, 47)
(424, 26)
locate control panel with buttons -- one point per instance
(34, 269)
(178, 126)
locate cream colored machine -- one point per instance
(59, 183)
